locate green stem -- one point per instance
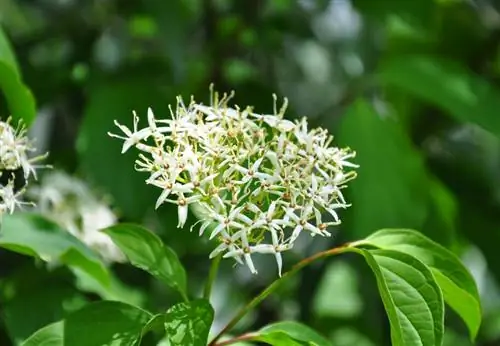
(212, 274)
(184, 297)
(272, 287)
(244, 337)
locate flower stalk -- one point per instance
(212, 275)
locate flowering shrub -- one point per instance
(256, 183)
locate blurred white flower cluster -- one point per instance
(15, 165)
(70, 203)
(258, 181)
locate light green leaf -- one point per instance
(295, 330)
(189, 323)
(458, 286)
(145, 250)
(7, 53)
(116, 290)
(105, 323)
(277, 338)
(19, 98)
(447, 85)
(390, 188)
(32, 235)
(412, 298)
(50, 335)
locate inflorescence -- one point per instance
(257, 181)
(15, 165)
(72, 204)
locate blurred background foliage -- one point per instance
(412, 86)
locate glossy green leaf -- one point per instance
(277, 338)
(412, 298)
(145, 250)
(189, 323)
(458, 286)
(447, 85)
(33, 235)
(296, 331)
(50, 335)
(19, 98)
(389, 190)
(105, 323)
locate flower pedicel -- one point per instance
(257, 181)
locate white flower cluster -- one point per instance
(259, 180)
(15, 165)
(70, 203)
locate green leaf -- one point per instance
(412, 298)
(278, 338)
(189, 323)
(33, 235)
(145, 250)
(7, 53)
(19, 98)
(116, 290)
(458, 286)
(156, 323)
(389, 190)
(50, 335)
(447, 85)
(296, 331)
(105, 323)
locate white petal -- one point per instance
(286, 125)
(295, 233)
(218, 250)
(182, 211)
(217, 230)
(203, 227)
(235, 253)
(314, 183)
(151, 119)
(270, 211)
(162, 198)
(263, 248)
(279, 261)
(248, 260)
(256, 165)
